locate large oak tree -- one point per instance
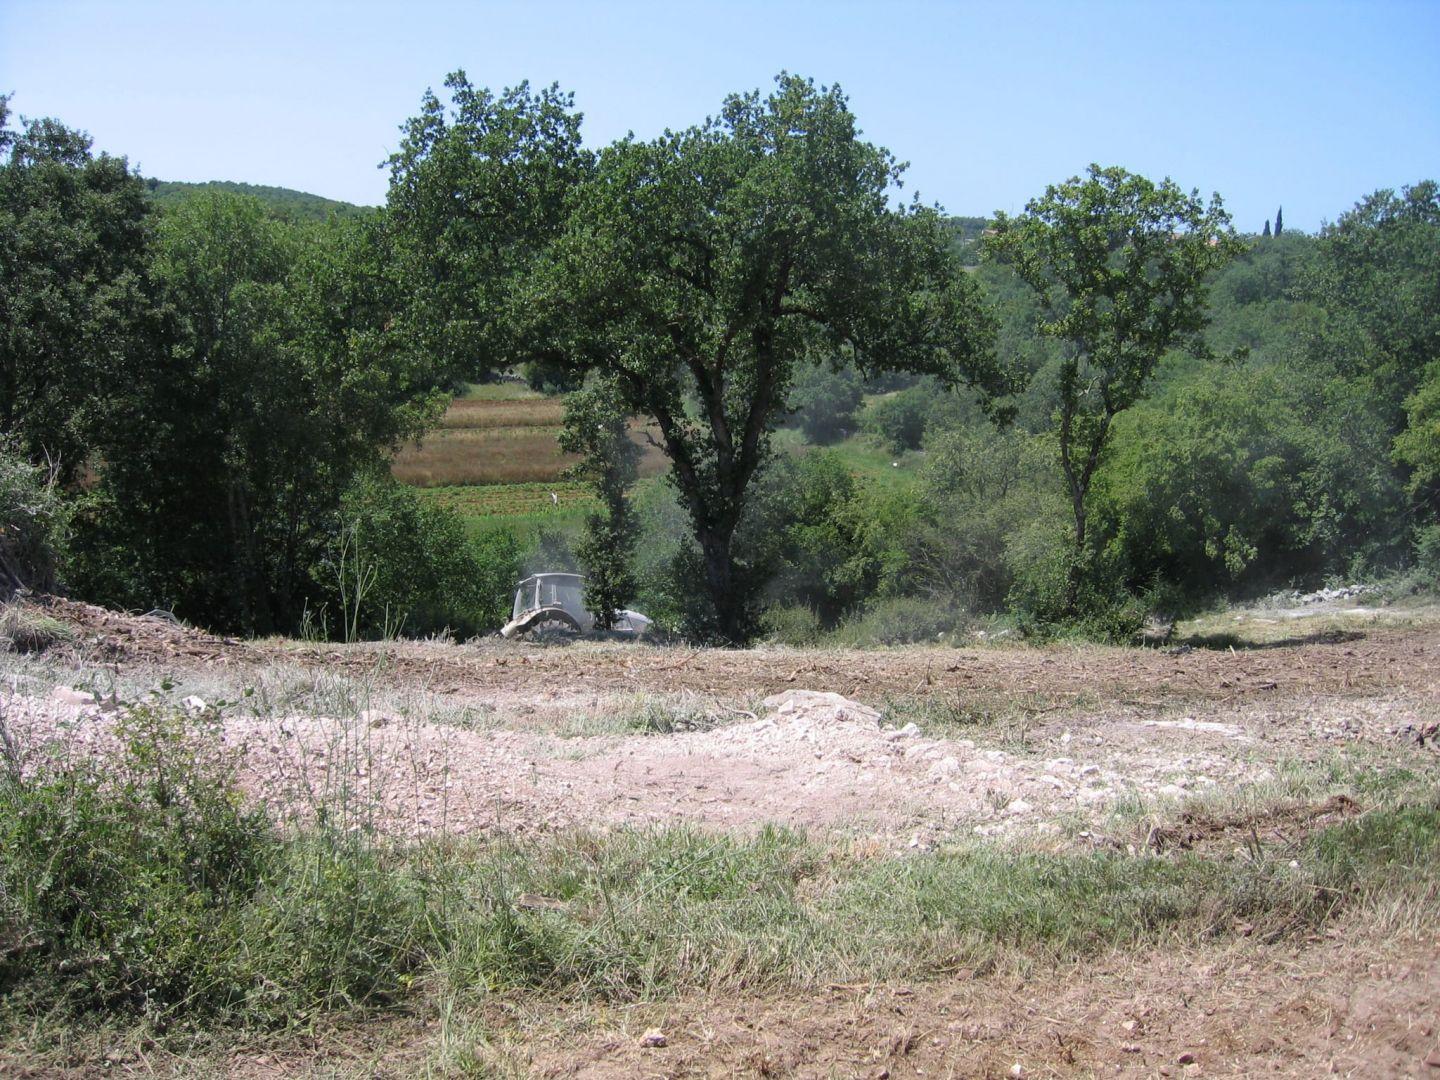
(699, 270)
(76, 309)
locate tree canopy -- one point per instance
(1120, 265)
(476, 191)
(75, 302)
(699, 269)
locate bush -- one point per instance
(146, 884)
(791, 625)
(551, 377)
(1206, 486)
(399, 564)
(34, 526)
(1427, 552)
(825, 401)
(898, 419)
(904, 620)
(984, 493)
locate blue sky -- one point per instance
(1307, 104)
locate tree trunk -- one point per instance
(1075, 571)
(729, 602)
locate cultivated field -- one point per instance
(492, 440)
(982, 861)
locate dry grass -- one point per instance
(479, 413)
(479, 456)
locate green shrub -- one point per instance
(792, 624)
(34, 525)
(1104, 610)
(986, 499)
(551, 377)
(120, 879)
(825, 401)
(898, 419)
(1427, 552)
(904, 620)
(1208, 486)
(399, 564)
(146, 884)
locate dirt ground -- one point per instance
(913, 746)
(1322, 1008)
(1060, 746)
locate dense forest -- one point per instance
(1122, 406)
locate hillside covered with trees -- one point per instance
(1109, 406)
(281, 201)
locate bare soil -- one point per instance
(1330, 1006)
(1026, 740)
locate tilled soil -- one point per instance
(1340, 663)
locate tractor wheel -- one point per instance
(555, 626)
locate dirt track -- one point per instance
(1308, 663)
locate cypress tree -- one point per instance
(1267, 228)
(1279, 221)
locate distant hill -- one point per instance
(282, 202)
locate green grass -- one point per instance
(523, 510)
(862, 455)
(958, 714)
(498, 391)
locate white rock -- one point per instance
(945, 767)
(194, 704)
(820, 705)
(1189, 723)
(909, 731)
(66, 696)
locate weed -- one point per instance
(654, 717)
(26, 630)
(955, 712)
(146, 885)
